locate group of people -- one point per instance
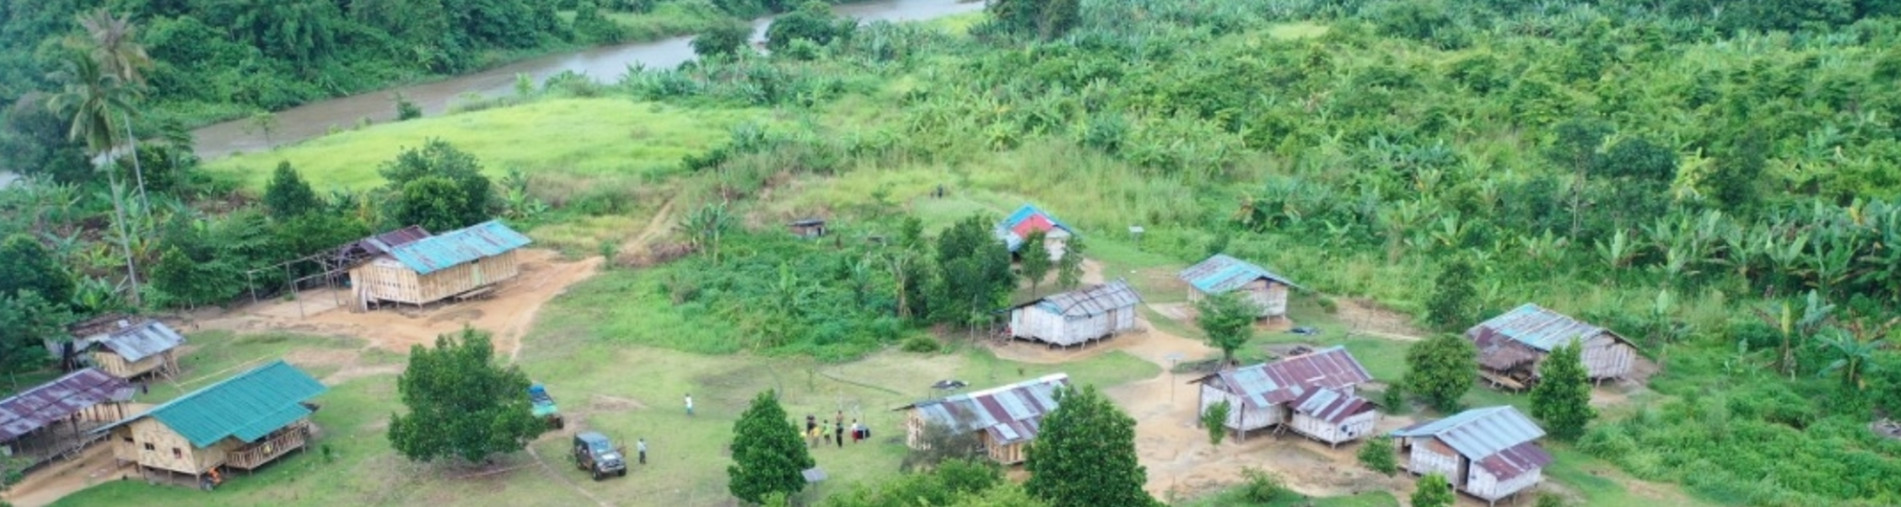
(816, 434)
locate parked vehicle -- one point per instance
(544, 407)
(596, 454)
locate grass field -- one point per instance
(582, 141)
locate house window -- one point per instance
(148, 447)
(178, 453)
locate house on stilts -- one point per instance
(1512, 345)
(459, 264)
(1290, 392)
(1490, 453)
(1077, 317)
(1221, 274)
(1016, 228)
(242, 422)
(57, 418)
(1005, 418)
(148, 347)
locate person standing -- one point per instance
(857, 432)
(640, 446)
(689, 404)
(838, 433)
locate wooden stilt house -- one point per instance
(1512, 345)
(1333, 416)
(457, 264)
(148, 347)
(241, 422)
(57, 418)
(1028, 219)
(1261, 395)
(1490, 453)
(1079, 316)
(1005, 418)
(1222, 274)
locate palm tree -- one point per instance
(110, 42)
(91, 96)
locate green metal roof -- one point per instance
(247, 407)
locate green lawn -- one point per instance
(1234, 498)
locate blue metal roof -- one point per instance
(1006, 230)
(436, 253)
(1222, 273)
(1535, 326)
(142, 340)
(1480, 432)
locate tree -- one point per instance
(112, 42)
(1228, 320)
(707, 226)
(287, 195)
(1562, 398)
(1574, 145)
(462, 403)
(1036, 260)
(90, 97)
(1084, 454)
(26, 265)
(973, 276)
(813, 22)
(723, 39)
(591, 27)
(1058, 17)
(1433, 491)
(1440, 369)
(1377, 455)
(1451, 303)
(768, 455)
(462, 198)
(1069, 268)
(26, 321)
(1215, 420)
(1047, 19)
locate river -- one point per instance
(605, 63)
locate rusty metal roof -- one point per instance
(1222, 273)
(1027, 219)
(1492, 436)
(1010, 414)
(100, 325)
(1534, 326)
(1091, 301)
(453, 248)
(383, 243)
(1331, 405)
(142, 340)
(54, 401)
(1269, 384)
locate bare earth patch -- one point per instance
(1368, 318)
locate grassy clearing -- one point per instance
(1234, 498)
(588, 141)
(216, 355)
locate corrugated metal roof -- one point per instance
(1480, 433)
(142, 340)
(247, 406)
(1516, 460)
(1025, 220)
(1535, 326)
(1091, 301)
(1010, 413)
(1331, 405)
(383, 243)
(435, 253)
(1269, 384)
(100, 325)
(55, 401)
(1222, 273)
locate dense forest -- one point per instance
(1716, 179)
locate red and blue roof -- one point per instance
(1028, 219)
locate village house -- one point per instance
(81, 336)
(241, 422)
(458, 264)
(57, 418)
(1512, 345)
(1004, 418)
(1490, 453)
(808, 228)
(1028, 219)
(363, 250)
(1264, 395)
(147, 347)
(1221, 274)
(1077, 317)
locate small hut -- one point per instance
(1513, 344)
(1333, 416)
(56, 418)
(457, 264)
(83, 335)
(1258, 396)
(1005, 418)
(1490, 453)
(808, 228)
(1078, 316)
(1028, 219)
(363, 250)
(1221, 274)
(149, 346)
(242, 422)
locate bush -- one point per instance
(405, 110)
(1260, 486)
(1377, 454)
(921, 344)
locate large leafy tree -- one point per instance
(462, 403)
(1069, 269)
(1440, 369)
(1036, 261)
(287, 195)
(973, 273)
(768, 455)
(723, 39)
(26, 321)
(812, 22)
(1562, 398)
(1228, 321)
(26, 265)
(440, 185)
(1084, 454)
(1452, 300)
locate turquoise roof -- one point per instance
(453, 248)
(1222, 273)
(246, 407)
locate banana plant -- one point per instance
(1618, 252)
(1852, 354)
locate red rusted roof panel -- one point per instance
(55, 401)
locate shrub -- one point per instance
(921, 344)
(1260, 486)
(1377, 454)
(1215, 420)
(405, 110)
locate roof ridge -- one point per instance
(206, 389)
